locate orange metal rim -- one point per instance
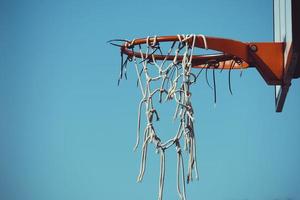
(267, 57)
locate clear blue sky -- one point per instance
(67, 130)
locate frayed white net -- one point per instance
(171, 81)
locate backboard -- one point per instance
(286, 29)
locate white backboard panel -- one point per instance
(283, 33)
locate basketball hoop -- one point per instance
(173, 72)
